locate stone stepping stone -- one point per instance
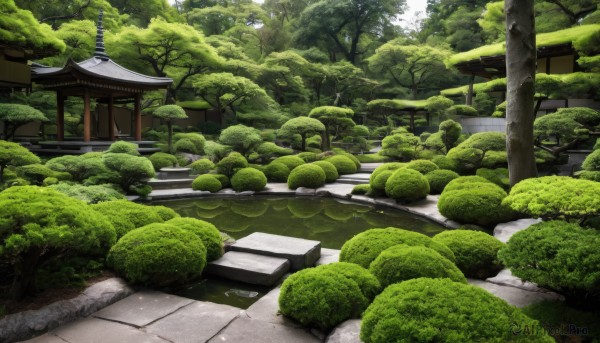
(328, 256)
(346, 332)
(169, 173)
(266, 309)
(244, 329)
(94, 330)
(515, 296)
(302, 253)
(504, 231)
(143, 308)
(249, 268)
(197, 322)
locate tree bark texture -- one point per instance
(521, 57)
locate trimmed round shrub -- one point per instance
(223, 179)
(230, 164)
(462, 110)
(331, 173)
(290, 161)
(90, 194)
(475, 251)
(378, 183)
(308, 156)
(277, 172)
(466, 182)
(557, 255)
(363, 248)
(190, 142)
(400, 263)
(343, 164)
(478, 203)
(207, 182)
(164, 212)
(361, 189)
(307, 175)
(321, 298)
(202, 166)
(498, 176)
(367, 282)
(384, 167)
(406, 185)
(444, 162)
(422, 166)
(126, 215)
(439, 310)
(438, 179)
(162, 160)
(158, 255)
(207, 232)
(248, 179)
(123, 147)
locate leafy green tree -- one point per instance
(567, 127)
(402, 146)
(330, 116)
(450, 132)
(241, 138)
(283, 74)
(13, 154)
(79, 167)
(56, 12)
(303, 126)
(141, 12)
(38, 224)
(80, 39)
(168, 113)
(15, 115)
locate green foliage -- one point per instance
(37, 223)
(377, 183)
(555, 197)
(241, 138)
(308, 156)
(89, 194)
(170, 112)
(206, 182)
(400, 263)
(361, 189)
(80, 167)
(248, 179)
(306, 175)
(267, 150)
(123, 147)
(303, 126)
(364, 248)
(331, 116)
(500, 111)
(444, 162)
(331, 173)
(406, 185)
(450, 132)
(207, 232)
(556, 314)
(201, 166)
(557, 255)
(130, 172)
(372, 158)
(158, 255)
(13, 154)
(215, 151)
(35, 174)
(321, 297)
(162, 160)
(422, 166)
(230, 164)
(277, 172)
(402, 146)
(462, 110)
(126, 215)
(470, 201)
(418, 311)
(486, 149)
(438, 179)
(15, 115)
(290, 161)
(592, 161)
(367, 282)
(562, 126)
(343, 164)
(192, 143)
(498, 176)
(484, 104)
(475, 251)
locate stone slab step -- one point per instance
(302, 253)
(170, 184)
(353, 181)
(171, 173)
(249, 268)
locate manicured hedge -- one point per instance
(207, 232)
(290, 161)
(277, 172)
(201, 166)
(422, 166)
(366, 281)
(343, 164)
(378, 183)
(230, 164)
(361, 189)
(331, 173)
(162, 160)
(307, 175)
(438, 179)
(406, 185)
(126, 215)
(248, 179)
(206, 182)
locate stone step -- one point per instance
(302, 253)
(249, 268)
(170, 184)
(170, 173)
(352, 181)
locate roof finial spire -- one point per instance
(99, 53)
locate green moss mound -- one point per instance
(331, 173)
(308, 156)
(277, 172)
(308, 175)
(321, 298)
(406, 185)
(422, 166)
(231, 164)
(556, 314)
(290, 161)
(557, 255)
(439, 310)
(164, 212)
(126, 215)
(498, 176)
(201, 166)
(384, 167)
(438, 179)
(248, 179)
(475, 251)
(223, 179)
(361, 189)
(378, 183)
(206, 182)
(158, 255)
(367, 282)
(162, 160)
(400, 263)
(343, 164)
(364, 248)
(207, 232)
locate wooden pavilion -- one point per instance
(102, 79)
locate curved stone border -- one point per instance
(28, 324)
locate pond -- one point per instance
(330, 221)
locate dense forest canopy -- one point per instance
(279, 59)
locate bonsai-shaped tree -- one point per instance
(168, 113)
(16, 115)
(241, 138)
(568, 126)
(303, 126)
(330, 116)
(13, 154)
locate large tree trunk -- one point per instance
(520, 75)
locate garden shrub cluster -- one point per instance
(331, 173)
(289, 161)
(206, 182)
(230, 164)
(343, 164)
(406, 185)
(207, 232)
(475, 252)
(307, 175)
(438, 179)
(248, 179)
(201, 166)
(276, 172)
(162, 160)
(439, 310)
(92, 194)
(361, 189)
(422, 166)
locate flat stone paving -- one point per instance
(249, 268)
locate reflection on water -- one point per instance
(330, 221)
(223, 291)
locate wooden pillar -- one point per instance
(111, 119)
(60, 116)
(87, 117)
(470, 92)
(137, 113)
